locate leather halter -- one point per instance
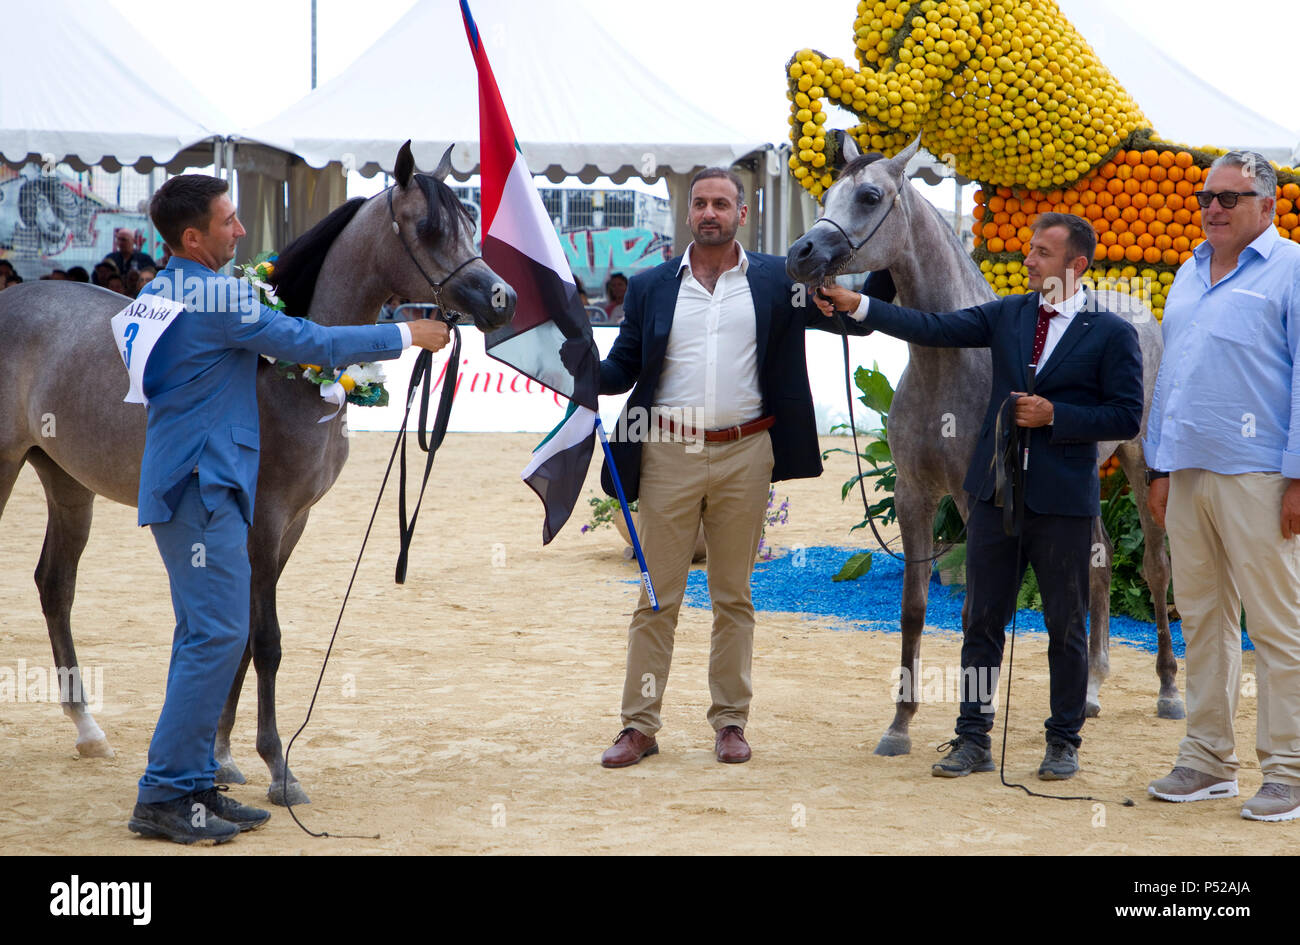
(435, 286)
(854, 247)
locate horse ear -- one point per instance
(404, 166)
(444, 165)
(849, 149)
(898, 163)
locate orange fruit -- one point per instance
(1176, 173)
(1099, 254)
(990, 230)
(1164, 242)
(1132, 158)
(995, 245)
(1152, 255)
(1194, 174)
(1150, 157)
(1166, 158)
(1176, 231)
(1169, 257)
(1141, 172)
(1132, 186)
(1291, 191)
(1106, 237)
(1183, 159)
(1013, 245)
(1093, 213)
(1133, 253)
(1182, 244)
(1290, 221)
(1115, 253)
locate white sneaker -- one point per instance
(1274, 802)
(1188, 784)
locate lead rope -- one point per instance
(421, 372)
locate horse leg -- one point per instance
(267, 563)
(69, 506)
(916, 521)
(227, 771)
(1099, 617)
(1157, 571)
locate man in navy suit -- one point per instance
(721, 408)
(1076, 374)
(198, 481)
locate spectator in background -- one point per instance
(7, 268)
(125, 254)
(582, 290)
(115, 284)
(103, 271)
(78, 274)
(615, 289)
(10, 278)
(58, 275)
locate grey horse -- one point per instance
(68, 371)
(945, 390)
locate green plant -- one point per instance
(603, 512)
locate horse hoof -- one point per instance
(96, 748)
(229, 773)
(893, 744)
(1092, 709)
(276, 794)
(1170, 708)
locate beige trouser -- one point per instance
(725, 485)
(1225, 535)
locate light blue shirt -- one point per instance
(1227, 398)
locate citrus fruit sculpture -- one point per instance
(1010, 95)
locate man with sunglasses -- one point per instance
(1223, 444)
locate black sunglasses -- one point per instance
(1227, 198)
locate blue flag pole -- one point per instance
(627, 517)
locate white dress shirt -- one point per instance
(710, 369)
(1065, 312)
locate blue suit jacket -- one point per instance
(1093, 379)
(201, 381)
(637, 357)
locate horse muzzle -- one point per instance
(813, 256)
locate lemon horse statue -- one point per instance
(893, 227)
(340, 271)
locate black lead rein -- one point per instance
(422, 379)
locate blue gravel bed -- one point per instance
(802, 584)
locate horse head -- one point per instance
(432, 255)
(859, 229)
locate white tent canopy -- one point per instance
(1182, 106)
(580, 103)
(78, 84)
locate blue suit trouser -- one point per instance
(206, 554)
(1059, 547)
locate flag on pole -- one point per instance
(549, 338)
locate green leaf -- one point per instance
(876, 390)
(855, 567)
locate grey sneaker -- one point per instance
(1060, 763)
(1275, 801)
(1188, 784)
(965, 757)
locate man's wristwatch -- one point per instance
(1154, 474)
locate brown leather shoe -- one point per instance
(730, 745)
(629, 748)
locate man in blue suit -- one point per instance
(721, 408)
(1076, 374)
(198, 482)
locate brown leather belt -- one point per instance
(738, 432)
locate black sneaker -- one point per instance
(1060, 763)
(229, 809)
(965, 757)
(181, 820)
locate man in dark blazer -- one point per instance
(1076, 374)
(721, 407)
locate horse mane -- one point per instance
(298, 266)
(446, 215)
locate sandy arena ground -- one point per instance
(466, 711)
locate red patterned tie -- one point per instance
(1040, 333)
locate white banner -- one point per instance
(136, 329)
(492, 397)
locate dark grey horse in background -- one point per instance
(57, 335)
(947, 389)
